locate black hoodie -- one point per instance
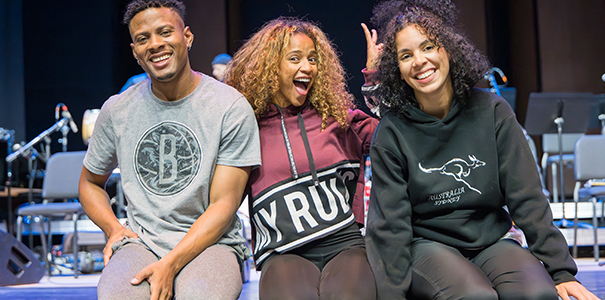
(448, 181)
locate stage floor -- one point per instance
(67, 287)
(83, 288)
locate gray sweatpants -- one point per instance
(214, 274)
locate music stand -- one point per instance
(547, 112)
(597, 116)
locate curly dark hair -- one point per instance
(436, 20)
(385, 11)
(137, 6)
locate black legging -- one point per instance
(290, 276)
(503, 271)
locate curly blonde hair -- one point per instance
(254, 71)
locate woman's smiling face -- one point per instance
(423, 65)
(297, 71)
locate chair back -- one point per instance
(62, 176)
(590, 157)
(550, 142)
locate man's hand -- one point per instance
(124, 233)
(96, 204)
(226, 191)
(160, 276)
(373, 49)
(574, 288)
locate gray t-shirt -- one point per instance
(167, 153)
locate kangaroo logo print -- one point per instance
(457, 168)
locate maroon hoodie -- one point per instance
(304, 189)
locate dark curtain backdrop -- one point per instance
(74, 53)
(12, 106)
(77, 52)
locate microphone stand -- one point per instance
(559, 121)
(9, 182)
(9, 136)
(11, 157)
(494, 84)
(46, 150)
(64, 131)
(563, 223)
(37, 139)
(32, 165)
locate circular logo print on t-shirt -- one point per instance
(167, 158)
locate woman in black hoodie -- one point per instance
(446, 161)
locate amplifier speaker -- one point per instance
(18, 264)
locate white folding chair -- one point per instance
(60, 182)
(589, 165)
(550, 157)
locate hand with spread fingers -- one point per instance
(160, 276)
(575, 289)
(120, 235)
(373, 48)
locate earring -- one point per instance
(189, 47)
(138, 62)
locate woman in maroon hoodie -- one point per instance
(302, 199)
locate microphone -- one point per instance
(502, 76)
(491, 79)
(57, 109)
(67, 115)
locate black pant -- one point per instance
(290, 276)
(503, 271)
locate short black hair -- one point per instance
(137, 6)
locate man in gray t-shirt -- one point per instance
(185, 144)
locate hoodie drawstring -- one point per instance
(288, 146)
(303, 132)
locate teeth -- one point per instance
(160, 58)
(303, 79)
(426, 74)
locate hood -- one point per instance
(288, 111)
(415, 114)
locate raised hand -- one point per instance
(373, 49)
